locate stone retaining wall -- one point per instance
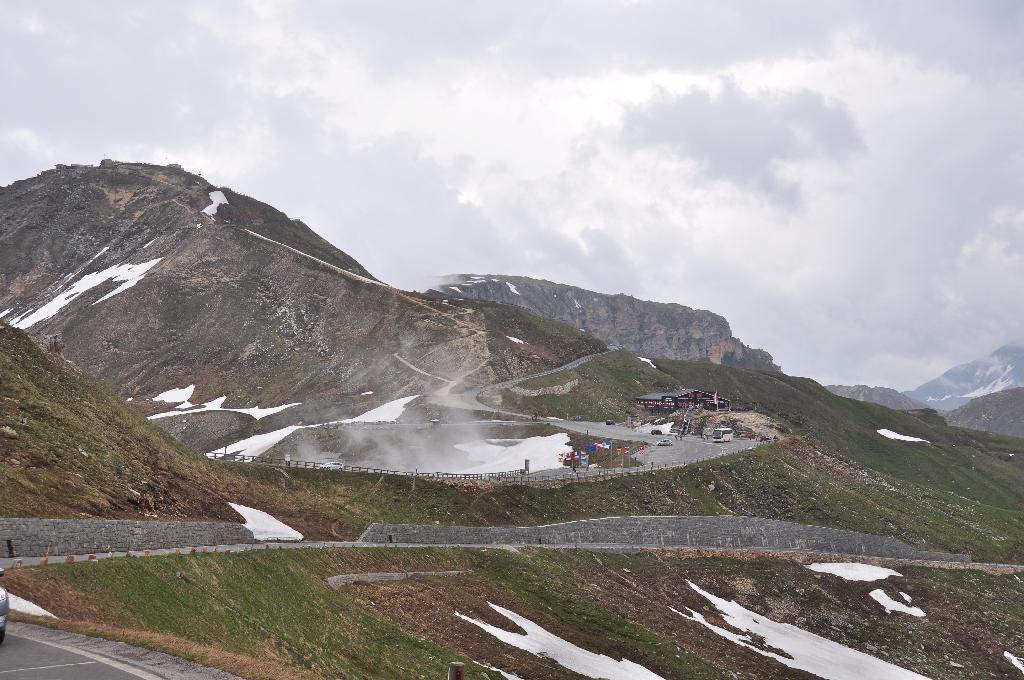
(701, 532)
(555, 390)
(375, 577)
(29, 537)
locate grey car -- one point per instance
(5, 609)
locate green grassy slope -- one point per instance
(972, 464)
(54, 409)
(269, 614)
(69, 445)
(965, 462)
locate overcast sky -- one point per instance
(843, 181)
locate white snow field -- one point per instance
(217, 199)
(261, 443)
(540, 642)
(499, 455)
(23, 606)
(217, 404)
(804, 650)
(258, 443)
(129, 274)
(266, 527)
(176, 395)
(890, 605)
(515, 340)
(504, 674)
(889, 434)
(853, 571)
(1017, 662)
(1001, 383)
(648, 362)
(512, 287)
(388, 413)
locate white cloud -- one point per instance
(843, 183)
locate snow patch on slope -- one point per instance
(648, 362)
(263, 442)
(803, 650)
(23, 606)
(387, 413)
(217, 199)
(515, 340)
(890, 605)
(217, 404)
(540, 642)
(512, 287)
(889, 434)
(129, 274)
(176, 395)
(498, 455)
(853, 571)
(265, 527)
(1017, 662)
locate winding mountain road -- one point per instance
(33, 652)
(682, 451)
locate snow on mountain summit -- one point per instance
(1001, 370)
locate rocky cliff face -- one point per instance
(884, 396)
(1001, 370)
(650, 329)
(154, 280)
(1000, 412)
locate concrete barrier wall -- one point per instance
(30, 537)
(698, 532)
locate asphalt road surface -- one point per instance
(37, 653)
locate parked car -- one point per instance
(657, 431)
(609, 422)
(5, 609)
(332, 465)
(664, 442)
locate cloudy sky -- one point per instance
(843, 181)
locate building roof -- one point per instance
(662, 395)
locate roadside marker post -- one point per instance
(455, 670)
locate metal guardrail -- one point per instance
(307, 464)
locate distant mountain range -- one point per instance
(1001, 370)
(884, 396)
(649, 329)
(1000, 412)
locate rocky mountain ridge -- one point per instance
(155, 280)
(883, 396)
(650, 329)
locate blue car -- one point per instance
(5, 609)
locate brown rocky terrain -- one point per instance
(650, 329)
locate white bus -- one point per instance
(722, 434)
